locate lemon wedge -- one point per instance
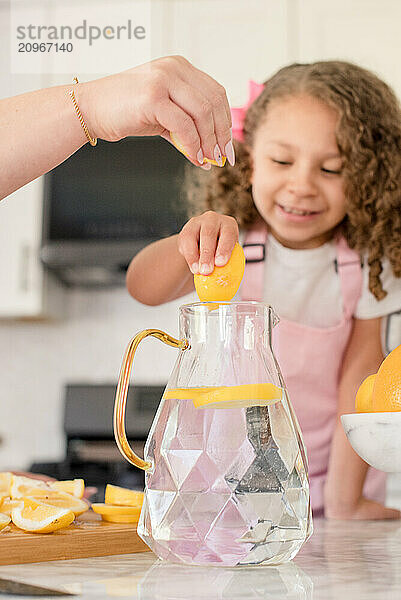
(117, 514)
(237, 396)
(4, 520)
(75, 487)
(7, 505)
(20, 485)
(122, 496)
(5, 482)
(40, 518)
(177, 144)
(59, 500)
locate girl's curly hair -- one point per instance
(369, 140)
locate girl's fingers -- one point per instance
(207, 246)
(208, 240)
(188, 244)
(228, 237)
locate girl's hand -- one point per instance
(364, 510)
(208, 240)
(167, 94)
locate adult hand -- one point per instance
(166, 95)
(207, 240)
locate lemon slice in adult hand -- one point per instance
(222, 284)
(41, 518)
(237, 396)
(117, 514)
(179, 147)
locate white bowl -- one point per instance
(376, 437)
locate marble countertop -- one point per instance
(342, 560)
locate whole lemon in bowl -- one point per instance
(381, 392)
(386, 395)
(364, 396)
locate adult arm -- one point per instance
(40, 129)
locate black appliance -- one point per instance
(91, 452)
(104, 204)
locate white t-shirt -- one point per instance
(303, 286)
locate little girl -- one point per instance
(316, 193)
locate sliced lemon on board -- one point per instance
(37, 517)
(7, 505)
(59, 500)
(75, 487)
(20, 485)
(222, 284)
(236, 396)
(122, 496)
(5, 482)
(179, 147)
(117, 514)
(4, 520)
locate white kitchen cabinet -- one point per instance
(365, 32)
(27, 290)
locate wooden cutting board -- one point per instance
(88, 536)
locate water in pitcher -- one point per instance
(228, 486)
(226, 470)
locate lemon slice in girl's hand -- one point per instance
(235, 396)
(177, 144)
(222, 284)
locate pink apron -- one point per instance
(310, 359)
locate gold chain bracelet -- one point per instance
(92, 141)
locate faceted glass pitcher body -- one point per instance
(228, 480)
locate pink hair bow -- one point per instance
(238, 114)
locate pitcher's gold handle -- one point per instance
(122, 390)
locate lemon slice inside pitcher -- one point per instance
(235, 396)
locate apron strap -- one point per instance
(254, 249)
(348, 267)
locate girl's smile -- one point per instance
(296, 215)
(296, 177)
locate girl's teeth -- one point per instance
(296, 212)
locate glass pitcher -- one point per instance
(226, 479)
